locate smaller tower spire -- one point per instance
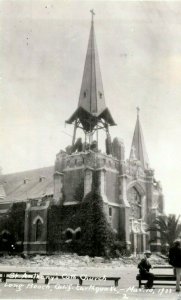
(138, 148)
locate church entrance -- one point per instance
(137, 237)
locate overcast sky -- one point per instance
(42, 53)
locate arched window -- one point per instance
(134, 200)
(38, 230)
(100, 95)
(110, 211)
(69, 234)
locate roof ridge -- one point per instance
(24, 171)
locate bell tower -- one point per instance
(82, 168)
(92, 113)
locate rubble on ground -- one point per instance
(73, 260)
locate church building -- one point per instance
(131, 195)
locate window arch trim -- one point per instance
(38, 218)
(138, 187)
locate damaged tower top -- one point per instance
(92, 113)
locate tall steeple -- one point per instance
(92, 113)
(91, 94)
(138, 149)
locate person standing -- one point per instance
(175, 260)
(144, 269)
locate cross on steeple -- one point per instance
(93, 14)
(138, 110)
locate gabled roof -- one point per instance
(138, 148)
(31, 184)
(92, 99)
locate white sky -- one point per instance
(42, 53)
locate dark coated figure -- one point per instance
(144, 269)
(175, 260)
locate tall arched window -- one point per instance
(38, 230)
(134, 200)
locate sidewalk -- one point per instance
(70, 290)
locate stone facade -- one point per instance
(131, 195)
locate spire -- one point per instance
(138, 149)
(91, 94)
(91, 107)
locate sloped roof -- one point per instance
(91, 99)
(27, 184)
(138, 148)
(88, 120)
